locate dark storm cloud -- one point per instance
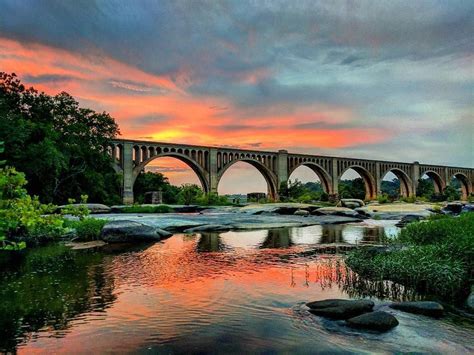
(405, 66)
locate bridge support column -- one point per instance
(213, 178)
(335, 180)
(127, 192)
(281, 169)
(447, 178)
(378, 179)
(415, 176)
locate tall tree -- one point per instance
(57, 144)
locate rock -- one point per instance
(379, 320)
(340, 309)
(427, 308)
(363, 211)
(337, 211)
(92, 207)
(208, 228)
(452, 208)
(301, 212)
(408, 219)
(351, 203)
(468, 208)
(470, 301)
(131, 231)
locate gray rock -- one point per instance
(340, 309)
(301, 212)
(92, 207)
(470, 301)
(453, 208)
(208, 228)
(336, 211)
(379, 320)
(351, 203)
(410, 218)
(468, 208)
(131, 231)
(427, 308)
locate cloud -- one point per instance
(368, 79)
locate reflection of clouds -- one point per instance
(245, 240)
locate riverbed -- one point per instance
(226, 292)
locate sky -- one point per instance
(378, 79)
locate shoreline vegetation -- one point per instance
(435, 257)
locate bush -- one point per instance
(22, 217)
(383, 198)
(88, 228)
(147, 209)
(437, 257)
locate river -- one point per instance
(230, 292)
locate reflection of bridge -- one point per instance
(210, 164)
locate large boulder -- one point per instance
(340, 309)
(351, 203)
(427, 308)
(452, 208)
(468, 208)
(92, 207)
(379, 321)
(131, 231)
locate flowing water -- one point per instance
(231, 292)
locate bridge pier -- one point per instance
(128, 165)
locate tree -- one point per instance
(190, 193)
(153, 182)
(425, 188)
(352, 188)
(58, 145)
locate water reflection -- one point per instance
(49, 288)
(235, 291)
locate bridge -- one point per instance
(210, 163)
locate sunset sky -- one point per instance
(380, 79)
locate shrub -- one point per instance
(147, 209)
(438, 256)
(22, 217)
(88, 228)
(383, 198)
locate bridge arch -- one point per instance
(323, 176)
(406, 185)
(198, 170)
(466, 185)
(267, 174)
(367, 177)
(438, 182)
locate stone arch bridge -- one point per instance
(210, 164)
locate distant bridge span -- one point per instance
(210, 163)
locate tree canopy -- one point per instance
(57, 144)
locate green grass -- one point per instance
(436, 257)
(147, 209)
(87, 229)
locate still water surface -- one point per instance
(232, 292)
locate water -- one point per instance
(233, 292)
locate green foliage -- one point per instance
(383, 198)
(352, 189)
(391, 188)
(451, 193)
(296, 191)
(87, 229)
(149, 181)
(212, 199)
(23, 218)
(438, 256)
(76, 210)
(189, 194)
(147, 209)
(2, 149)
(58, 145)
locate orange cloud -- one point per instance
(129, 94)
